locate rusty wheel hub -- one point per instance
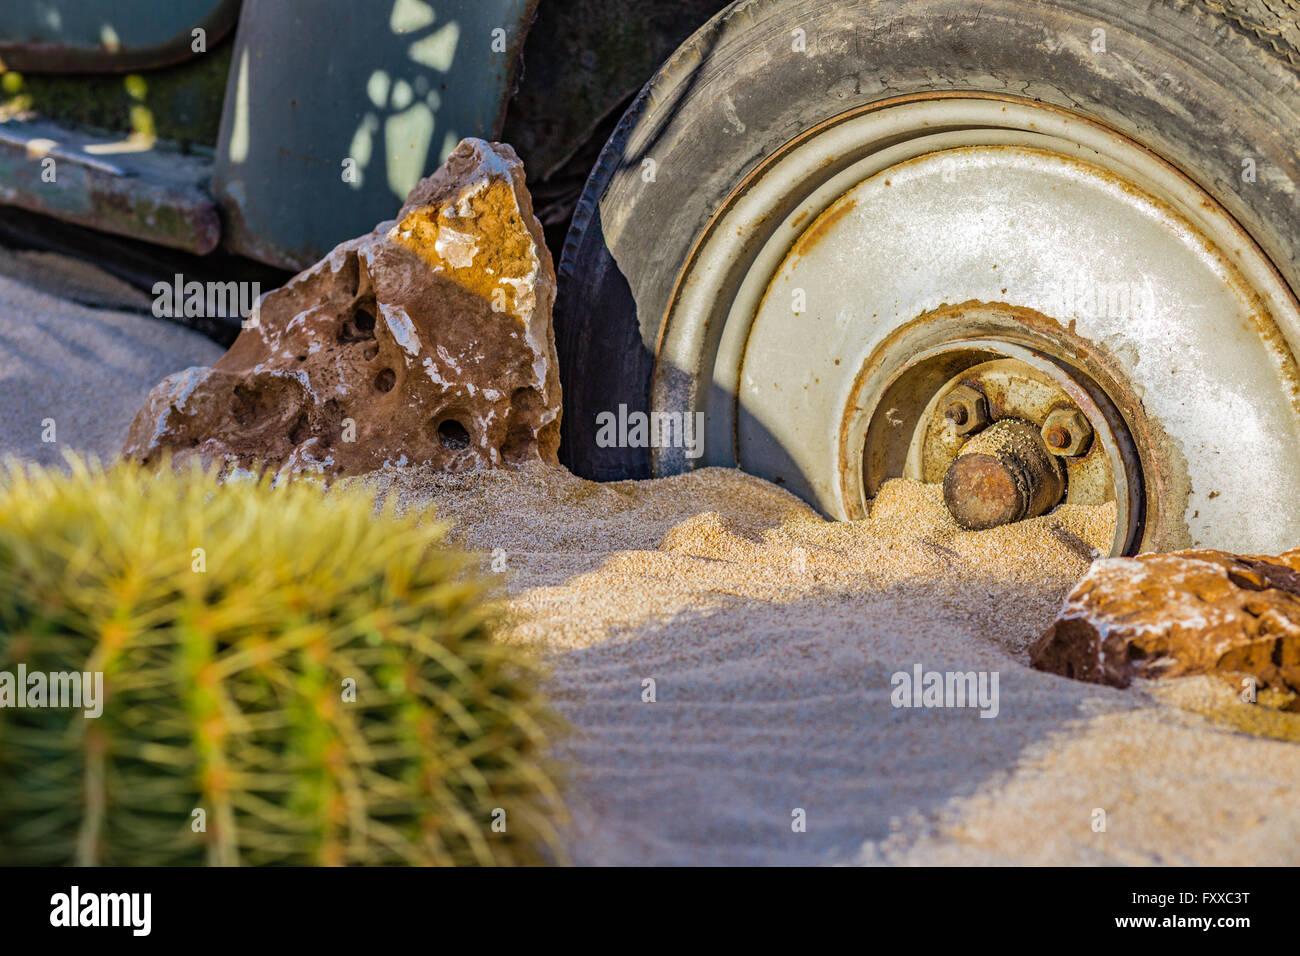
(1005, 438)
(1009, 428)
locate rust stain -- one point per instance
(817, 231)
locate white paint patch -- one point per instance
(458, 248)
(433, 372)
(183, 384)
(403, 329)
(447, 359)
(463, 208)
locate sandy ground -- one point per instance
(771, 637)
(75, 358)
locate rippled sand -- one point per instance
(771, 637)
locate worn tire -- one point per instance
(1203, 83)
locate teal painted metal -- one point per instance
(335, 109)
(114, 186)
(89, 36)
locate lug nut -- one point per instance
(967, 409)
(1067, 432)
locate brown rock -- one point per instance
(1173, 615)
(428, 340)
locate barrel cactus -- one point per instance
(289, 677)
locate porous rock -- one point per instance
(1179, 614)
(429, 340)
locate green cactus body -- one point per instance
(230, 624)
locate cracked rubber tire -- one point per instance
(1206, 85)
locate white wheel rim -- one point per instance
(894, 212)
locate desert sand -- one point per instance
(771, 637)
(70, 353)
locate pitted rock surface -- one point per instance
(427, 341)
(1174, 615)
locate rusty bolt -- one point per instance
(1002, 475)
(1066, 432)
(967, 409)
